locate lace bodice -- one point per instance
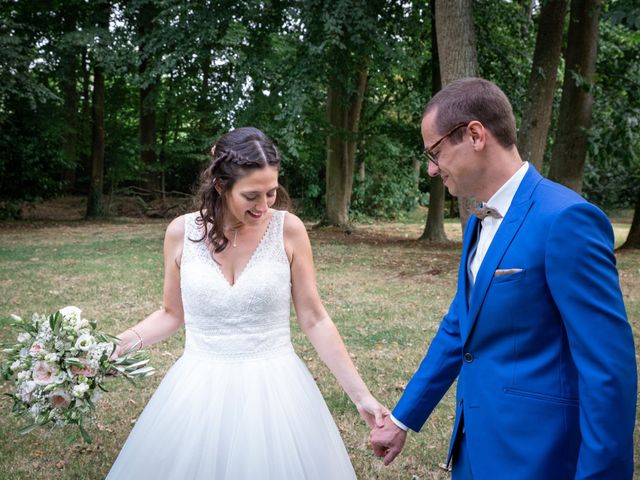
(248, 319)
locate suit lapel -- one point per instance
(518, 211)
(469, 241)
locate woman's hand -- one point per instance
(117, 352)
(372, 411)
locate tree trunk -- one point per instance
(458, 58)
(536, 118)
(434, 228)
(633, 238)
(95, 207)
(69, 67)
(343, 113)
(574, 120)
(95, 204)
(70, 147)
(148, 155)
(84, 129)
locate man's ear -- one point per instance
(477, 134)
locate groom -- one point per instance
(537, 332)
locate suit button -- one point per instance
(468, 357)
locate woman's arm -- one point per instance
(165, 322)
(318, 326)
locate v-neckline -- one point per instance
(246, 266)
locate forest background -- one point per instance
(107, 98)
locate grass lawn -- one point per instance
(386, 293)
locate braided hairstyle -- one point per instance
(233, 156)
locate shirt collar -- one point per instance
(501, 200)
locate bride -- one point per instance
(239, 403)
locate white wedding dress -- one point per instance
(239, 403)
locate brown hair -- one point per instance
(233, 156)
(468, 99)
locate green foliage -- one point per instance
(392, 187)
(218, 64)
(32, 164)
(612, 170)
(505, 39)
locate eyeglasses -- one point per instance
(428, 151)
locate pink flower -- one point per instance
(36, 348)
(43, 373)
(59, 398)
(87, 370)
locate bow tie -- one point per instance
(483, 212)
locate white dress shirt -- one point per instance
(501, 201)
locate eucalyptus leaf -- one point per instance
(28, 428)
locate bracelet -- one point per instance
(139, 342)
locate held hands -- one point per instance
(387, 440)
(372, 411)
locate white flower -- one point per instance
(85, 342)
(51, 357)
(24, 337)
(80, 390)
(44, 372)
(71, 312)
(24, 352)
(26, 391)
(15, 365)
(60, 377)
(23, 375)
(30, 386)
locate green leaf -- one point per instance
(146, 371)
(28, 428)
(85, 435)
(73, 362)
(107, 337)
(102, 387)
(55, 321)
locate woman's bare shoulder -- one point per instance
(294, 226)
(175, 230)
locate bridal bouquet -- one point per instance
(59, 366)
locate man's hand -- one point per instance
(388, 440)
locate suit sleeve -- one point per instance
(583, 280)
(434, 376)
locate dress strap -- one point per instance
(274, 243)
(192, 249)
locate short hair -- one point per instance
(468, 99)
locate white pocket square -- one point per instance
(506, 271)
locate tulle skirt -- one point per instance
(260, 418)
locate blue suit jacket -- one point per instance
(545, 356)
